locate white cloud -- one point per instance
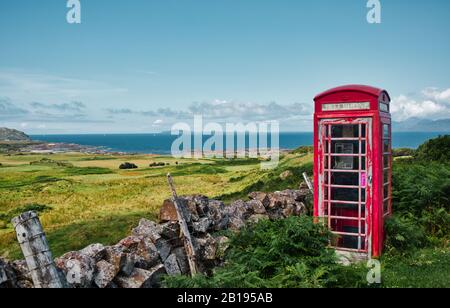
(250, 111)
(437, 95)
(403, 108)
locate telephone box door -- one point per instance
(345, 178)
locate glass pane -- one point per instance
(363, 147)
(386, 131)
(344, 194)
(325, 210)
(345, 178)
(345, 147)
(386, 160)
(347, 210)
(363, 243)
(345, 163)
(386, 206)
(363, 130)
(326, 127)
(363, 195)
(386, 191)
(326, 161)
(386, 146)
(345, 131)
(386, 176)
(350, 242)
(344, 225)
(363, 163)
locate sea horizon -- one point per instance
(161, 143)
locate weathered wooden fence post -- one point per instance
(36, 251)
(188, 244)
(308, 182)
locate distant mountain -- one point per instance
(422, 125)
(7, 134)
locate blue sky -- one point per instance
(141, 65)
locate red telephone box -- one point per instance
(353, 166)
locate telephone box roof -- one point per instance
(352, 88)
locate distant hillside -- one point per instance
(7, 134)
(422, 125)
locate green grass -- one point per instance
(88, 199)
(426, 268)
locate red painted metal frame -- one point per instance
(375, 153)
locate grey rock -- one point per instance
(148, 228)
(140, 278)
(95, 251)
(203, 225)
(116, 256)
(164, 248)
(171, 265)
(128, 265)
(206, 247)
(78, 269)
(105, 274)
(257, 206)
(260, 196)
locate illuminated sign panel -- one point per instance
(346, 106)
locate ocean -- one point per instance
(161, 143)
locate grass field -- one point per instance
(84, 199)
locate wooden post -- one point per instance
(308, 182)
(188, 245)
(36, 251)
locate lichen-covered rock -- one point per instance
(140, 278)
(78, 269)
(164, 248)
(95, 251)
(24, 280)
(206, 247)
(149, 229)
(203, 225)
(218, 215)
(8, 277)
(116, 256)
(171, 265)
(260, 196)
(257, 206)
(105, 274)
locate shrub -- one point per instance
(128, 166)
(274, 254)
(418, 187)
(403, 234)
(157, 165)
(437, 149)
